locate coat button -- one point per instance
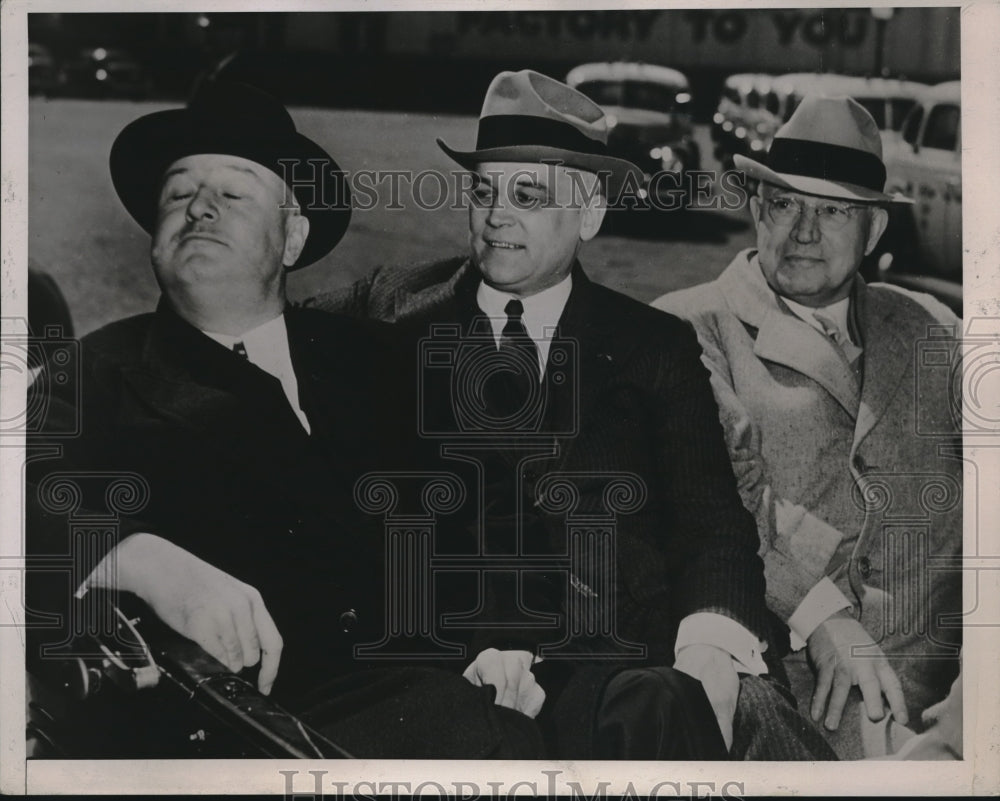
(348, 619)
(864, 567)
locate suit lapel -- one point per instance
(341, 396)
(598, 351)
(784, 338)
(195, 382)
(888, 353)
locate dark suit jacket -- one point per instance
(230, 473)
(645, 408)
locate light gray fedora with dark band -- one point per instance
(530, 117)
(830, 147)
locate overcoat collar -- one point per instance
(189, 377)
(186, 377)
(786, 339)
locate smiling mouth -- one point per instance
(494, 243)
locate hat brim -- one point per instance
(616, 175)
(148, 146)
(809, 185)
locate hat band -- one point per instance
(827, 161)
(520, 130)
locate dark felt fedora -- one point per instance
(530, 117)
(237, 120)
(830, 147)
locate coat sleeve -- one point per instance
(353, 300)
(795, 544)
(67, 484)
(714, 551)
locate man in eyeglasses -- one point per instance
(823, 401)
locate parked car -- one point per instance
(104, 72)
(748, 115)
(888, 100)
(925, 164)
(648, 108)
(42, 73)
(754, 105)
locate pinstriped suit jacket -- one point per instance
(645, 406)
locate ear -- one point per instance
(755, 208)
(296, 233)
(878, 220)
(591, 217)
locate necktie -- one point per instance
(511, 390)
(840, 339)
(514, 337)
(241, 350)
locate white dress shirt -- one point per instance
(267, 347)
(541, 316)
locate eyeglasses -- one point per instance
(831, 216)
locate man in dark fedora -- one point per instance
(837, 431)
(605, 390)
(245, 424)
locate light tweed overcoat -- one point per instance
(863, 486)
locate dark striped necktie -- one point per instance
(514, 336)
(240, 350)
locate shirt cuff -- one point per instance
(820, 602)
(709, 628)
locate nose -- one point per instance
(499, 213)
(203, 205)
(806, 228)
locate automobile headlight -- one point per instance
(669, 160)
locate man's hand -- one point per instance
(837, 670)
(510, 673)
(222, 614)
(714, 668)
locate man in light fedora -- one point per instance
(244, 425)
(838, 429)
(617, 393)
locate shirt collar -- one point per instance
(835, 311)
(541, 313)
(266, 346)
(541, 310)
(262, 340)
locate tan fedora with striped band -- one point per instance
(530, 117)
(829, 147)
